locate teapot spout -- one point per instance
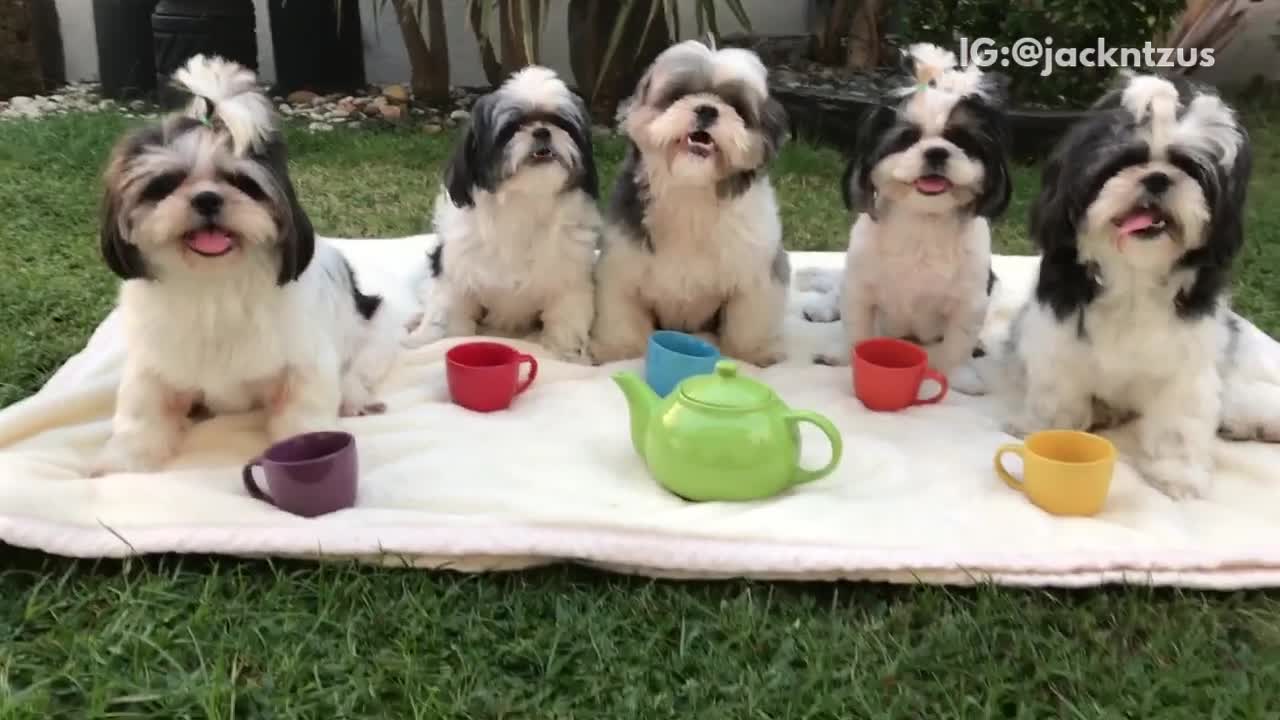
(642, 401)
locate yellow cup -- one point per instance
(1065, 472)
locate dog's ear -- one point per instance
(775, 123)
(121, 256)
(1064, 282)
(297, 243)
(855, 185)
(468, 168)
(991, 132)
(1225, 191)
(588, 179)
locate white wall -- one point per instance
(79, 44)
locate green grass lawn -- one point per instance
(223, 638)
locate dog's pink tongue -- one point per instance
(1137, 222)
(931, 184)
(209, 242)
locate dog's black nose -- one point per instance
(706, 114)
(207, 203)
(936, 156)
(542, 134)
(1156, 183)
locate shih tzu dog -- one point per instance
(228, 302)
(926, 177)
(516, 221)
(693, 240)
(1140, 215)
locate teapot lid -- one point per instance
(726, 389)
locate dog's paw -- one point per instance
(761, 358)
(1177, 478)
(123, 457)
(1019, 427)
(820, 310)
(424, 334)
(607, 352)
(830, 359)
(965, 379)
(578, 355)
(570, 348)
(414, 322)
(1250, 432)
(348, 410)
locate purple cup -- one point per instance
(307, 475)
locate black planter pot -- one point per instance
(824, 117)
(316, 48)
(1036, 132)
(183, 28)
(126, 60)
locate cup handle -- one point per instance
(1005, 475)
(934, 375)
(252, 485)
(833, 436)
(533, 372)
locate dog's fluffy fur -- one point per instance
(926, 176)
(228, 301)
(516, 221)
(693, 240)
(1139, 217)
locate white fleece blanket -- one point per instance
(555, 479)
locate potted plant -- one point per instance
(827, 92)
(614, 42)
(520, 24)
(426, 39)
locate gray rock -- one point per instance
(20, 101)
(459, 116)
(319, 127)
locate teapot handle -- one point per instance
(793, 419)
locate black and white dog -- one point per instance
(516, 221)
(229, 302)
(694, 240)
(927, 175)
(1139, 217)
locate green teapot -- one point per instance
(721, 436)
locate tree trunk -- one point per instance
(831, 31)
(865, 35)
(428, 56)
(591, 24)
(514, 52)
(488, 56)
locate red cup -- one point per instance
(485, 376)
(888, 373)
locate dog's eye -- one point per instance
(247, 185)
(964, 140)
(162, 186)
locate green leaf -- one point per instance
(615, 41)
(528, 33)
(672, 10)
(739, 13)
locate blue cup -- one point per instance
(674, 356)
